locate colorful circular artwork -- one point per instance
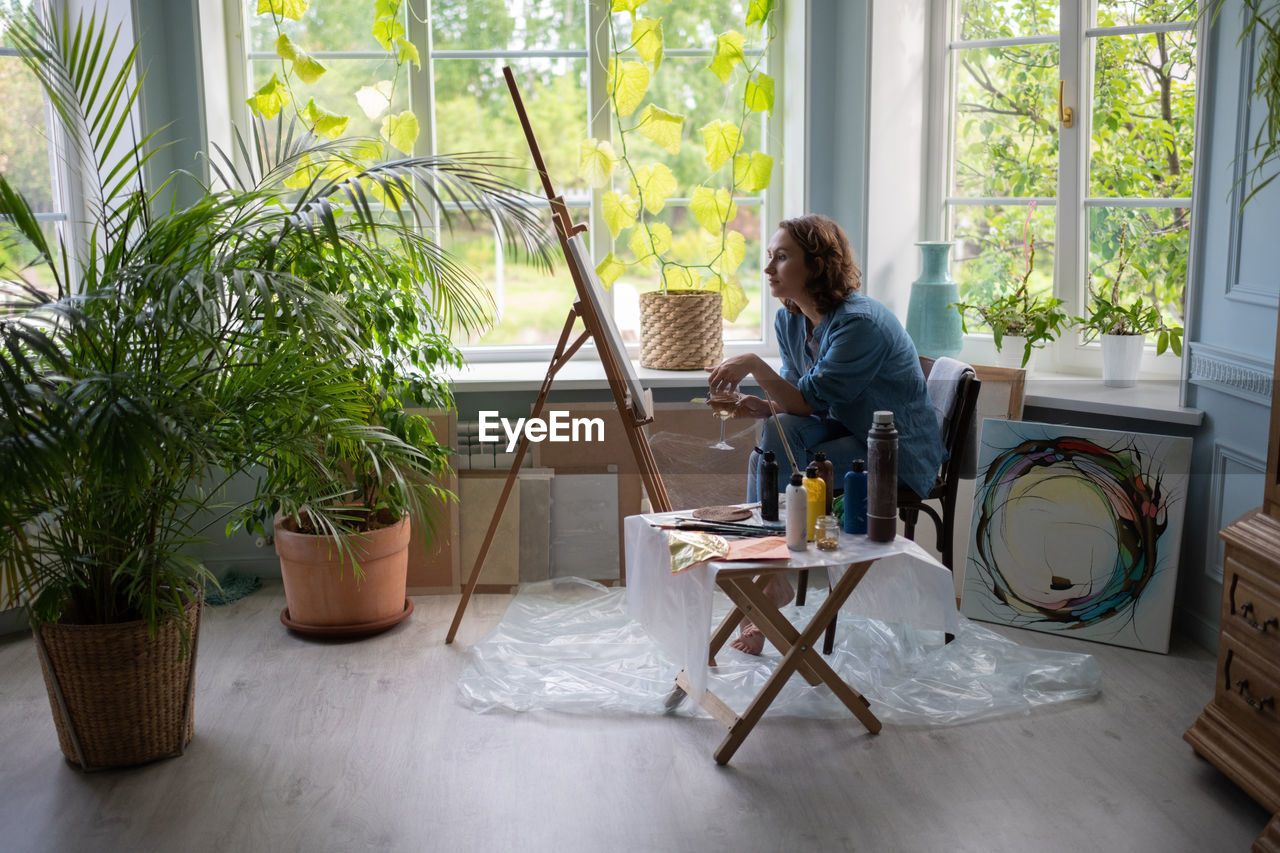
(1067, 530)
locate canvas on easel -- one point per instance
(624, 384)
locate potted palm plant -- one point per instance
(1123, 326)
(1018, 319)
(178, 348)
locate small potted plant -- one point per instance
(1123, 326)
(1019, 319)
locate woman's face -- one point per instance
(786, 271)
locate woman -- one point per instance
(844, 356)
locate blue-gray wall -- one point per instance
(1235, 290)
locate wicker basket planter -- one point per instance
(119, 697)
(680, 330)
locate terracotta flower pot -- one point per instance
(321, 592)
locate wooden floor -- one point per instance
(321, 746)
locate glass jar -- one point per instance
(826, 533)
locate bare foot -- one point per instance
(750, 638)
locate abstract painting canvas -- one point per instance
(1077, 531)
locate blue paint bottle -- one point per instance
(855, 498)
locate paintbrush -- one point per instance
(781, 434)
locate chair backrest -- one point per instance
(953, 388)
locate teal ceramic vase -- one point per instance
(932, 321)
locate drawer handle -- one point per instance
(1261, 627)
(1242, 687)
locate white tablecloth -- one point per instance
(905, 584)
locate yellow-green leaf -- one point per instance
(407, 51)
(387, 30)
(759, 94)
(325, 123)
(303, 175)
(646, 36)
(609, 269)
(758, 11)
(383, 9)
(721, 140)
(308, 69)
(270, 99)
(662, 127)
(627, 84)
(292, 9)
(727, 255)
(678, 278)
(626, 5)
(732, 297)
(374, 100)
(752, 172)
(619, 212)
(728, 54)
(597, 161)
(368, 150)
(655, 184)
(650, 242)
(401, 130)
(712, 208)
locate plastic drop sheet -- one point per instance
(568, 645)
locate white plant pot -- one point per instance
(1122, 359)
(1010, 352)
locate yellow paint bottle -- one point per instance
(816, 498)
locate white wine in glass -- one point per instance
(723, 404)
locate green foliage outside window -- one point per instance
(1141, 139)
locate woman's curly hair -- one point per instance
(833, 267)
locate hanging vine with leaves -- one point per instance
(633, 65)
(400, 130)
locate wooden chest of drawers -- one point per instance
(1239, 731)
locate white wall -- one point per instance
(896, 151)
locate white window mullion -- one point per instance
(1071, 255)
(599, 120)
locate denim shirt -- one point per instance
(865, 362)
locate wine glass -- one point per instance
(723, 404)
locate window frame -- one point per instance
(64, 186)
(1075, 37)
(422, 94)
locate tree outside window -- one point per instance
(1015, 180)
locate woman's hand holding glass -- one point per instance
(724, 404)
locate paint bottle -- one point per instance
(827, 471)
(769, 487)
(797, 513)
(816, 504)
(855, 498)
(882, 478)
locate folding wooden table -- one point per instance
(744, 584)
(908, 586)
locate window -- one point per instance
(28, 151)
(1111, 195)
(463, 105)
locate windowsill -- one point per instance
(1151, 399)
(580, 373)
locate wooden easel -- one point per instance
(632, 421)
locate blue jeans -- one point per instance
(806, 436)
